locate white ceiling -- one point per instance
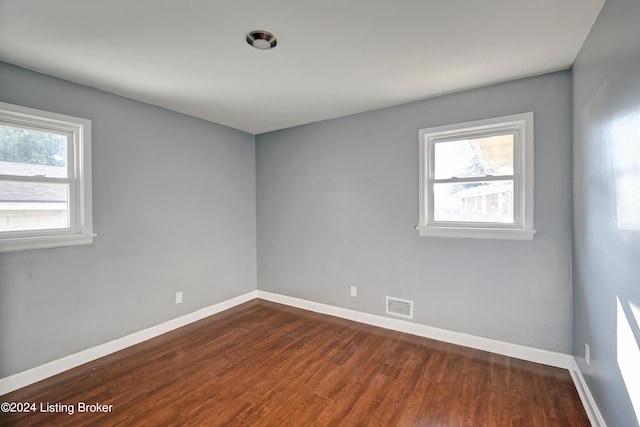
(334, 57)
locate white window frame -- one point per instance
(80, 229)
(521, 125)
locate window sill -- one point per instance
(15, 244)
(476, 233)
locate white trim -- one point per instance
(41, 242)
(521, 125)
(477, 233)
(30, 376)
(560, 360)
(80, 229)
(589, 403)
(531, 354)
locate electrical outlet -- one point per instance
(354, 291)
(179, 297)
(587, 353)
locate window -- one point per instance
(45, 179)
(476, 179)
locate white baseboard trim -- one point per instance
(531, 354)
(589, 403)
(30, 376)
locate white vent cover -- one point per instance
(400, 307)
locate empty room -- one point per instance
(375, 213)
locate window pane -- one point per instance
(466, 158)
(25, 152)
(33, 206)
(482, 201)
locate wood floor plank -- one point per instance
(401, 390)
(264, 364)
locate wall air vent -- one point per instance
(400, 307)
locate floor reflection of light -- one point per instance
(629, 355)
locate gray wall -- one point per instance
(338, 203)
(174, 209)
(606, 255)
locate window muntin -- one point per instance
(477, 179)
(45, 179)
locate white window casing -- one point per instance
(520, 222)
(79, 224)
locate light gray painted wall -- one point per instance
(338, 203)
(174, 209)
(606, 255)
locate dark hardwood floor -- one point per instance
(264, 364)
